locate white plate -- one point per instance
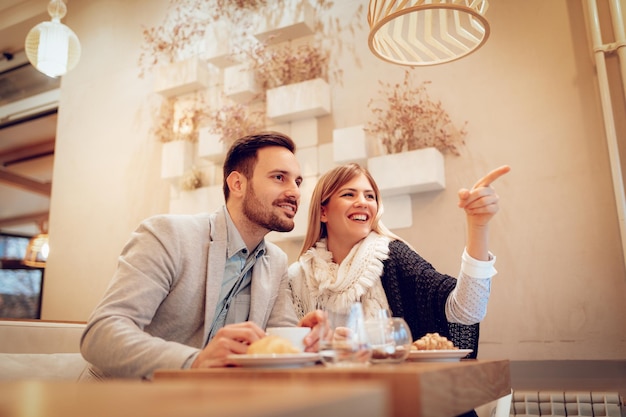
(451, 355)
(275, 360)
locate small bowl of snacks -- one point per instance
(390, 339)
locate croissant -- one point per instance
(272, 344)
(433, 341)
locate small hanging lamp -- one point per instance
(52, 47)
(37, 251)
(426, 32)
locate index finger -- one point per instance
(492, 176)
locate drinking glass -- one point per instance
(390, 339)
(344, 342)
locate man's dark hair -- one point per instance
(242, 155)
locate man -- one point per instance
(190, 290)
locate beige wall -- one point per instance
(531, 101)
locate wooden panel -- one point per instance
(185, 399)
(429, 389)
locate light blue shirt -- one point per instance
(234, 300)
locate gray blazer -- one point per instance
(160, 304)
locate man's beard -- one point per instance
(257, 213)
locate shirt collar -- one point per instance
(235, 241)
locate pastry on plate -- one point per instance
(271, 344)
(433, 341)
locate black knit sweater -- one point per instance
(417, 292)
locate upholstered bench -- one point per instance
(36, 349)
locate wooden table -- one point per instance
(190, 399)
(427, 389)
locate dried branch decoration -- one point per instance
(249, 5)
(237, 11)
(232, 121)
(409, 119)
(185, 26)
(319, 58)
(283, 65)
(178, 118)
(163, 129)
(331, 35)
(191, 180)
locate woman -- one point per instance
(348, 255)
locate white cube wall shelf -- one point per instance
(181, 77)
(174, 187)
(304, 132)
(240, 84)
(350, 145)
(210, 146)
(176, 158)
(284, 128)
(200, 200)
(212, 173)
(408, 172)
(295, 20)
(298, 101)
(222, 61)
(398, 211)
(308, 160)
(325, 158)
(217, 49)
(302, 216)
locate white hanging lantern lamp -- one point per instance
(52, 47)
(426, 32)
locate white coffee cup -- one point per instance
(294, 334)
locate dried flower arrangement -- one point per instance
(163, 129)
(330, 34)
(287, 64)
(191, 180)
(185, 126)
(183, 26)
(232, 121)
(231, 6)
(237, 11)
(409, 119)
(178, 118)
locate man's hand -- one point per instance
(230, 339)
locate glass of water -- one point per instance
(344, 341)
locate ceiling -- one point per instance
(26, 139)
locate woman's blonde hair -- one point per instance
(326, 186)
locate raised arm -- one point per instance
(480, 204)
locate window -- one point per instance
(20, 285)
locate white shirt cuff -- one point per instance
(478, 269)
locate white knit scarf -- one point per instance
(322, 284)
